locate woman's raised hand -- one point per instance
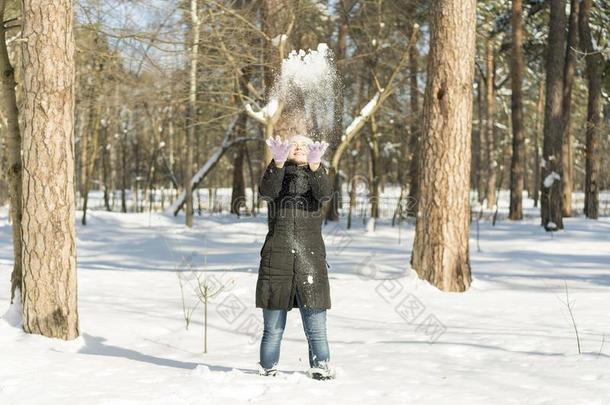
(279, 149)
(316, 150)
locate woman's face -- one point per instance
(293, 130)
(298, 153)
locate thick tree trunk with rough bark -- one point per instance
(13, 152)
(47, 116)
(440, 251)
(517, 169)
(551, 170)
(595, 64)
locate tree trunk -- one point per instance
(124, 169)
(440, 251)
(595, 64)
(253, 182)
(191, 114)
(13, 153)
(238, 194)
(537, 134)
(136, 184)
(274, 16)
(375, 169)
(106, 165)
(415, 131)
(49, 249)
(480, 144)
(273, 19)
(88, 166)
(566, 147)
(171, 162)
(490, 132)
(518, 157)
(83, 146)
(551, 173)
(332, 212)
(91, 130)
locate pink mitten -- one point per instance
(316, 150)
(279, 149)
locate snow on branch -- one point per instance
(279, 40)
(257, 115)
(266, 113)
(364, 114)
(369, 107)
(351, 128)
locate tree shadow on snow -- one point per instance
(95, 345)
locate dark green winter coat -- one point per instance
(293, 255)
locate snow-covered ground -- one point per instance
(393, 338)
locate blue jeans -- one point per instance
(314, 324)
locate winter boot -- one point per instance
(321, 373)
(272, 372)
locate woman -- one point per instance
(293, 268)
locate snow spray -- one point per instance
(308, 82)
